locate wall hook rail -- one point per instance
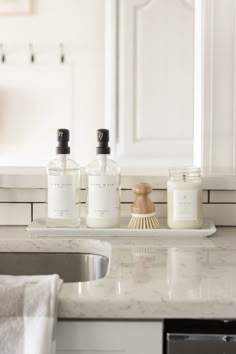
(38, 53)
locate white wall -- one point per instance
(70, 94)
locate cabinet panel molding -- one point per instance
(219, 130)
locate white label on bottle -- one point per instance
(102, 196)
(185, 204)
(61, 197)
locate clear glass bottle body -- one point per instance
(184, 198)
(63, 197)
(103, 193)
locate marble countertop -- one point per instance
(148, 278)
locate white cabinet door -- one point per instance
(155, 119)
(103, 337)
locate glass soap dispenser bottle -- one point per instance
(103, 187)
(63, 175)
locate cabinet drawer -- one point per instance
(89, 337)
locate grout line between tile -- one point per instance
(32, 212)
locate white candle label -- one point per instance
(61, 197)
(102, 194)
(185, 204)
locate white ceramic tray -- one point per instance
(38, 228)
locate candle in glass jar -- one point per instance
(184, 198)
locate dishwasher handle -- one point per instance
(192, 337)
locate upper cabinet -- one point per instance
(155, 82)
(170, 86)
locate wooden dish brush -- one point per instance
(143, 209)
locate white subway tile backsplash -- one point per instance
(211, 211)
(15, 213)
(159, 182)
(219, 182)
(39, 210)
(39, 195)
(22, 195)
(35, 177)
(157, 196)
(17, 204)
(23, 177)
(222, 196)
(161, 210)
(82, 196)
(221, 214)
(128, 196)
(205, 196)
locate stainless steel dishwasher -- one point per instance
(200, 337)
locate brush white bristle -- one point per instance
(145, 222)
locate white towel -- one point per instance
(28, 313)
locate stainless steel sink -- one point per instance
(72, 267)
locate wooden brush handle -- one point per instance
(142, 204)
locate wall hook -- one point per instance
(32, 55)
(3, 55)
(62, 53)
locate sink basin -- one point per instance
(72, 267)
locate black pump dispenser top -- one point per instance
(63, 137)
(103, 140)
